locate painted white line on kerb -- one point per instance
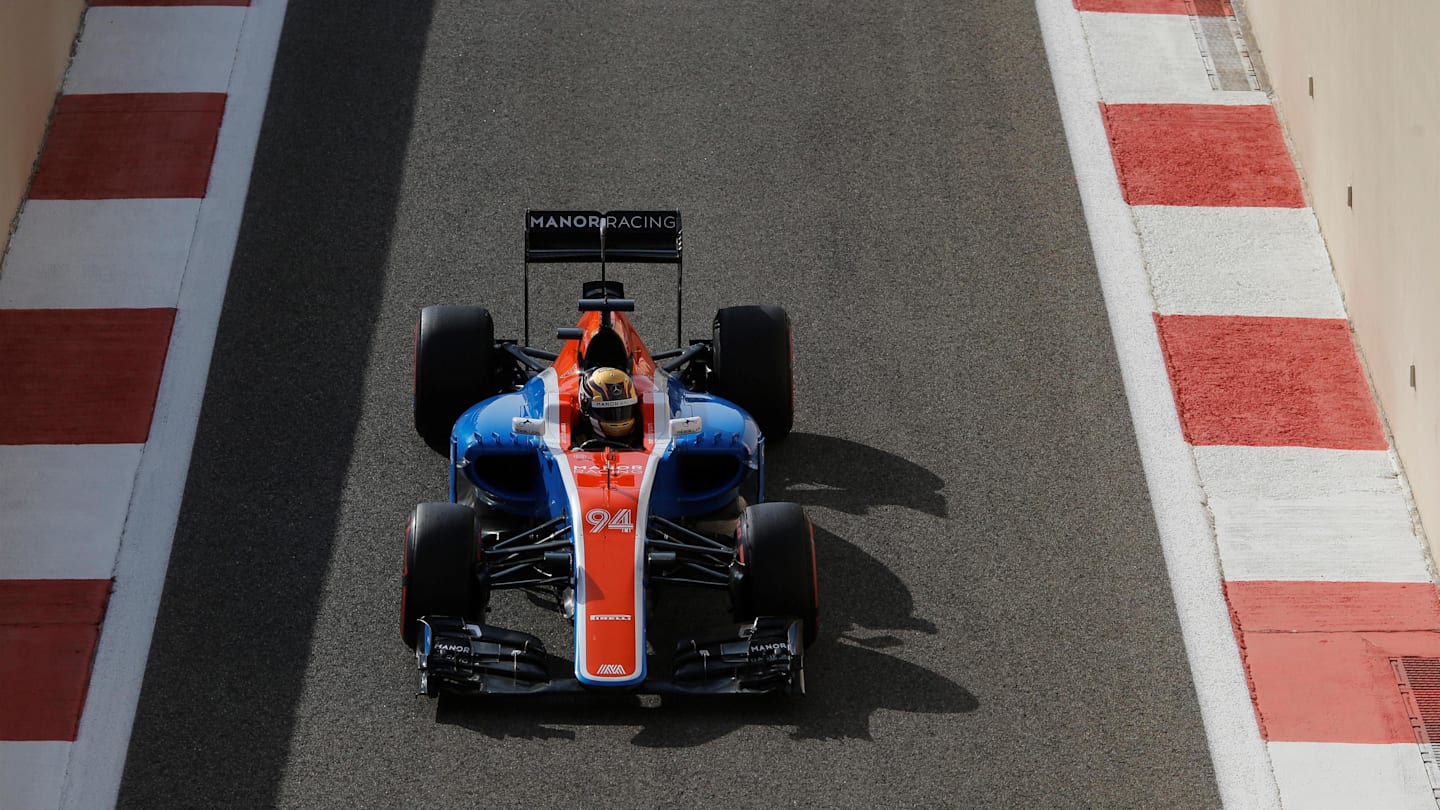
(99, 253)
(1337, 538)
(1153, 59)
(1278, 473)
(1242, 764)
(1344, 776)
(97, 761)
(1307, 513)
(62, 508)
(155, 49)
(32, 774)
(1237, 261)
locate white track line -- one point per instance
(97, 761)
(1242, 764)
(1363, 537)
(1152, 58)
(62, 508)
(1237, 261)
(1276, 473)
(1311, 514)
(160, 49)
(99, 253)
(1344, 776)
(32, 774)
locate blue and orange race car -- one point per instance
(592, 523)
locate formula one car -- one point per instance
(592, 524)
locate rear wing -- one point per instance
(646, 237)
(595, 236)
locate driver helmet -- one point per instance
(611, 403)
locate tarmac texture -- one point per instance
(998, 628)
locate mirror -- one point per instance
(528, 426)
(685, 426)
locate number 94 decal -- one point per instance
(621, 520)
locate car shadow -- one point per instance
(847, 476)
(858, 593)
(857, 590)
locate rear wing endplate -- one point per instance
(646, 237)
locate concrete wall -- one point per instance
(35, 38)
(1368, 137)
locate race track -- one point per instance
(998, 627)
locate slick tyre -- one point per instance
(454, 369)
(775, 566)
(442, 544)
(752, 365)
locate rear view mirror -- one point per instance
(685, 426)
(528, 426)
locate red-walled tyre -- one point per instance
(442, 545)
(775, 566)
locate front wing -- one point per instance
(762, 657)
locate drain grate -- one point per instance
(1222, 45)
(1419, 681)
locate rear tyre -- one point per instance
(454, 369)
(442, 547)
(774, 572)
(752, 365)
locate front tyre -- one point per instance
(774, 569)
(752, 365)
(454, 369)
(442, 547)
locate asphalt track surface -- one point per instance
(998, 627)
